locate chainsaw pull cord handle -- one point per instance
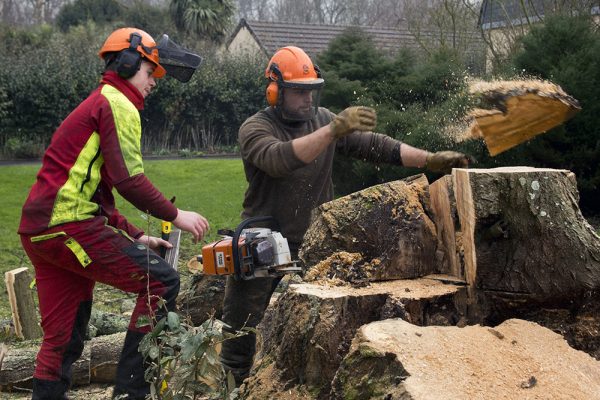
(235, 252)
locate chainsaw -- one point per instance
(249, 253)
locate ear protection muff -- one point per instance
(128, 61)
(272, 91)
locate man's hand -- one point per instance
(154, 243)
(192, 222)
(353, 119)
(444, 161)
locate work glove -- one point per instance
(444, 161)
(353, 119)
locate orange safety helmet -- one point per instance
(290, 67)
(132, 45)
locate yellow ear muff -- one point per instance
(272, 93)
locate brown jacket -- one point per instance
(281, 185)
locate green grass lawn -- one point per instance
(211, 187)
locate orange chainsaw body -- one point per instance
(217, 257)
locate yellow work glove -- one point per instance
(444, 161)
(353, 119)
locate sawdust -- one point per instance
(516, 87)
(342, 269)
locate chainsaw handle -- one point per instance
(235, 252)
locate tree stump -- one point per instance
(515, 360)
(310, 327)
(523, 237)
(202, 298)
(387, 222)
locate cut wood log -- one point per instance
(387, 222)
(105, 353)
(22, 304)
(523, 237)
(515, 360)
(309, 329)
(19, 363)
(516, 111)
(97, 363)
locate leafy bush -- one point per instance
(23, 148)
(183, 360)
(63, 68)
(46, 80)
(81, 11)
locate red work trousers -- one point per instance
(68, 260)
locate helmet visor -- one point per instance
(177, 61)
(300, 102)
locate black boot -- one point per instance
(49, 390)
(130, 371)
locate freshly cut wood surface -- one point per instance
(516, 111)
(514, 360)
(308, 330)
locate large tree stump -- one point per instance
(523, 237)
(310, 327)
(515, 360)
(387, 222)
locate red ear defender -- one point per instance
(272, 93)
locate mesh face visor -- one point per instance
(294, 104)
(177, 61)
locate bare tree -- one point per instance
(502, 39)
(11, 12)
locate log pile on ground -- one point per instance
(514, 234)
(97, 364)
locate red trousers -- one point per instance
(68, 260)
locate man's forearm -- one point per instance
(412, 156)
(308, 147)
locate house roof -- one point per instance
(314, 38)
(501, 13)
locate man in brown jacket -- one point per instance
(288, 150)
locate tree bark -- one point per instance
(203, 298)
(387, 222)
(523, 237)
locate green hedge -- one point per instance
(46, 73)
